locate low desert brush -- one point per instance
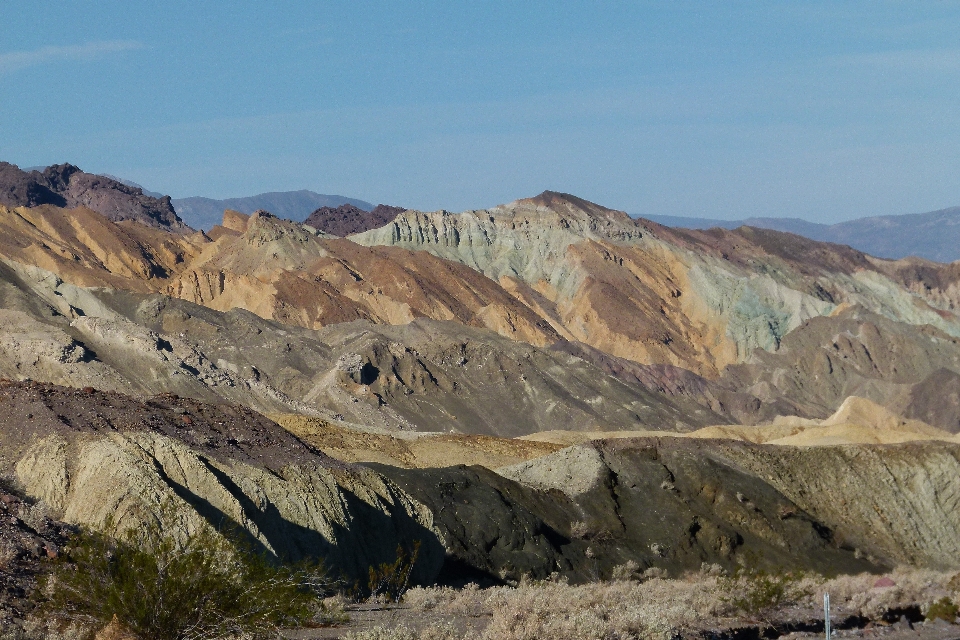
(943, 609)
(390, 580)
(211, 586)
(755, 592)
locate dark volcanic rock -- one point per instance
(669, 503)
(22, 189)
(348, 219)
(221, 432)
(27, 536)
(65, 185)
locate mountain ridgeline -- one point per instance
(933, 236)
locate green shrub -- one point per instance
(212, 586)
(755, 591)
(943, 609)
(391, 579)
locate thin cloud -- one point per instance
(17, 60)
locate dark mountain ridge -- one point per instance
(348, 219)
(67, 186)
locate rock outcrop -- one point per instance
(884, 504)
(426, 375)
(706, 298)
(103, 459)
(347, 219)
(65, 185)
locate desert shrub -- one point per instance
(756, 591)
(629, 570)
(391, 580)
(470, 601)
(943, 609)
(912, 587)
(382, 632)
(652, 609)
(210, 586)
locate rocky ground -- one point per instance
(27, 536)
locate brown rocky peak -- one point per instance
(565, 203)
(260, 214)
(235, 220)
(65, 185)
(347, 219)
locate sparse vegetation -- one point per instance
(649, 608)
(755, 592)
(390, 580)
(208, 586)
(943, 609)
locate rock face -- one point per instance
(347, 219)
(289, 273)
(66, 186)
(427, 375)
(853, 353)
(707, 299)
(891, 504)
(96, 457)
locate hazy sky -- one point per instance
(825, 111)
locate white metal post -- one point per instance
(826, 615)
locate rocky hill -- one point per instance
(347, 219)
(707, 299)
(667, 503)
(702, 320)
(66, 186)
(543, 386)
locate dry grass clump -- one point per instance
(614, 610)
(912, 587)
(660, 608)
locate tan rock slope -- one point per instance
(857, 421)
(659, 307)
(84, 248)
(696, 299)
(284, 271)
(95, 458)
(411, 450)
(427, 375)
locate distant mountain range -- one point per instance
(934, 235)
(204, 213)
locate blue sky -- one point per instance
(825, 111)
